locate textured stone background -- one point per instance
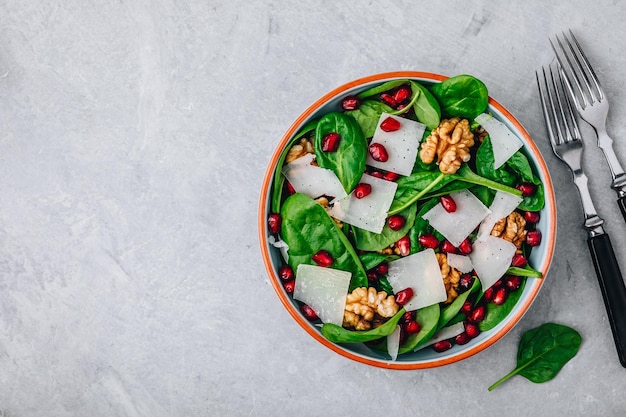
(133, 139)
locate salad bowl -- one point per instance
(350, 127)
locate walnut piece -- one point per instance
(363, 305)
(300, 149)
(511, 228)
(450, 142)
(450, 275)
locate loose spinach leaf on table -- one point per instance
(307, 228)
(348, 161)
(463, 96)
(367, 115)
(543, 351)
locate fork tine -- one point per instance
(570, 125)
(544, 95)
(586, 65)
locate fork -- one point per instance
(591, 103)
(567, 145)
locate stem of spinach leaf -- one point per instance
(419, 195)
(467, 175)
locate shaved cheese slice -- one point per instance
(312, 180)
(458, 225)
(491, 257)
(503, 204)
(370, 212)
(324, 290)
(281, 245)
(445, 333)
(401, 145)
(422, 274)
(503, 141)
(393, 343)
(460, 262)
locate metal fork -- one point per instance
(567, 145)
(591, 103)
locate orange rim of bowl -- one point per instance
(387, 364)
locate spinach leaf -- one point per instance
(338, 334)
(371, 260)
(348, 161)
(426, 108)
(485, 163)
(527, 271)
(427, 317)
(367, 115)
(415, 187)
(463, 96)
(307, 228)
(466, 174)
(450, 311)
(496, 313)
(365, 240)
(536, 201)
(389, 85)
(543, 351)
(422, 226)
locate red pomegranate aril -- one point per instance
(465, 248)
(467, 307)
(290, 188)
(388, 100)
(499, 297)
(466, 281)
(396, 222)
(362, 190)
(404, 296)
(308, 312)
(350, 103)
(273, 222)
(488, 294)
(412, 327)
(376, 174)
(390, 125)
(383, 268)
(330, 142)
(391, 176)
(322, 258)
(285, 273)
(472, 329)
(442, 346)
(448, 203)
(532, 216)
(528, 189)
(372, 276)
(428, 241)
(402, 94)
(519, 260)
(378, 152)
(447, 247)
(533, 237)
(408, 316)
(461, 339)
(289, 286)
(404, 246)
(477, 314)
(512, 282)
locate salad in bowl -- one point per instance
(407, 220)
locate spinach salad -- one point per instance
(406, 217)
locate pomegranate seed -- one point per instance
(308, 312)
(350, 103)
(285, 273)
(499, 297)
(403, 297)
(396, 222)
(531, 216)
(404, 245)
(372, 276)
(512, 282)
(519, 260)
(323, 258)
(442, 346)
(408, 316)
(330, 143)
(467, 307)
(488, 294)
(391, 176)
(290, 188)
(528, 189)
(362, 190)
(402, 94)
(462, 338)
(383, 268)
(472, 329)
(388, 100)
(378, 152)
(465, 282)
(412, 327)
(376, 174)
(448, 203)
(428, 241)
(447, 247)
(477, 314)
(390, 125)
(465, 248)
(289, 286)
(533, 237)
(273, 222)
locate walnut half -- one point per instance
(450, 142)
(362, 306)
(511, 228)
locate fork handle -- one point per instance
(621, 202)
(613, 289)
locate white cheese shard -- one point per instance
(370, 212)
(491, 257)
(281, 245)
(503, 141)
(503, 204)
(324, 290)
(401, 145)
(393, 343)
(458, 225)
(422, 274)
(461, 263)
(312, 180)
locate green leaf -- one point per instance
(307, 228)
(464, 96)
(466, 174)
(370, 241)
(338, 334)
(426, 108)
(450, 311)
(496, 313)
(417, 186)
(543, 351)
(527, 271)
(389, 85)
(367, 115)
(427, 317)
(422, 226)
